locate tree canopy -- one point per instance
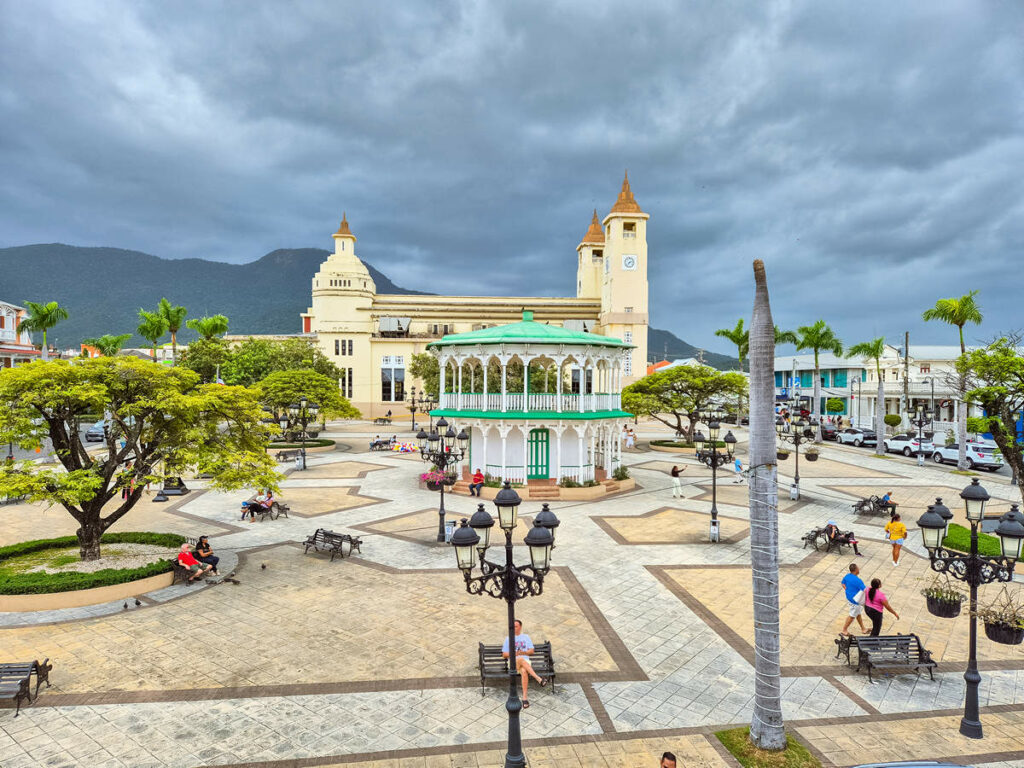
(283, 388)
(107, 344)
(208, 327)
(161, 419)
(957, 312)
(254, 359)
(42, 317)
(682, 392)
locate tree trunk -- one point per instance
(766, 727)
(46, 351)
(961, 433)
(174, 347)
(880, 418)
(89, 540)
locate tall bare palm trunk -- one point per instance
(766, 726)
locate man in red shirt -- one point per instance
(187, 559)
(477, 484)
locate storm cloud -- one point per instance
(870, 152)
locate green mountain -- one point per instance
(103, 289)
(665, 345)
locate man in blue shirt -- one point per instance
(854, 588)
(524, 650)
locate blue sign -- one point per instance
(784, 392)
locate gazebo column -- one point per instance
(458, 397)
(484, 430)
(484, 374)
(579, 454)
(504, 389)
(593, 458)
(526, 431)
(441, 394)
(503, 430)
(583, 384)
(526, 383)
(559, 428)
(558, 384)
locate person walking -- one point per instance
(677, 487)
(853, 588)
(896, 532)
(874, 602)
(738, 468)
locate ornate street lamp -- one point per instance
(508, 582)
(423, 404)
(443, 449)
(975, 570)
(922, 416)
(798, 433)
(302, 413)
(714, 458)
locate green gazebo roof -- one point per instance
(527, 331)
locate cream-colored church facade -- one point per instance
(372, 337)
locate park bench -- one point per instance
(383, 420)
(872, 505)
(289, 455)
(274, 511)
(180, 571)
(329, 541)
(817, 537)
(895, 652)
(16, 678)
(494, 666)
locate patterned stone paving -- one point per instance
(370, 661)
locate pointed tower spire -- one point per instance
(343, 229)
(626, 202)
(595, 234)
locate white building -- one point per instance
(16, 345)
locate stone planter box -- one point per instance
(670, 449)
(78, 598)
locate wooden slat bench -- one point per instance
(181, 573)
(382, 420)
(287, 455)
(872, 505)
(895, 652)
(274, 511)
(16, 678)
(494, 666)
(329, 541)
(818, 538)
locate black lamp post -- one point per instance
(508, 582)
(798, 433)
(425, 404)
(302, 413)
(714, 458)
(975, 570)
(440, 450)
(922, 416)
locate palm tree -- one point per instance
(152, 327)
(174, 315)
(741, 338)
(766, 727)
(108, 345)
(208, 327)
(820, 338)
(785, 337)
(958, 312)
(874, 350)
(42, 317)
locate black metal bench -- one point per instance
(16, 678)
(329, 541)
(382, 420)
(181, 572)
(494, 666)
(818, 537)
(287, 455)
(381, 445)
(896, 652)
(274, 511)
(873, 505)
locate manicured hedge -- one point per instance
(959, 538)
(319, 443)
(42, 583)
(681, 444)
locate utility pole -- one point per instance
(906, 374)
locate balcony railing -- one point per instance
(535, 402)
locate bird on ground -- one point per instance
(263, 566)
(137, 602)
(126, 605)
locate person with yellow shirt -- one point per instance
(896, 532)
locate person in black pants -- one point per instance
(204, 554)
(874, 602)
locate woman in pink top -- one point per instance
(874, 602)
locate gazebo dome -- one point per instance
(528, 331)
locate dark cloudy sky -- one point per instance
(871, 152)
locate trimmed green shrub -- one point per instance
(42, 583)
(959, 538)
(319, 443)
(568, 482)
(621, 473)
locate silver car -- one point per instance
(908, 445)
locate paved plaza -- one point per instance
(371, 660)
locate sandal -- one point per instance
(543, 682)
(526, 703)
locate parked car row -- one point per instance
(856, 436)
(979, 455)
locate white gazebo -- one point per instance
(529, 437)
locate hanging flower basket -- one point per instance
(450, 480)
(811, 456)
(1007, 634)
(944, 609)
(782, 455)
(433, 485)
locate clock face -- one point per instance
(629, 262)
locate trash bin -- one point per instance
(713, 533)
(794, 492)
(449, 529)
(298, 461)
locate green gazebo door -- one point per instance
(537, 452)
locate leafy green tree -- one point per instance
(958, 312)
(426, 368)
(739, 336)
(208, 327)
(108, 345)
(994, 376)
(785, 337)
(679, 393)
(152, 327)
(42, 317)
(254, 359)
(205, 356)
(819, 338)
(174, 314)
(874, 350)
(283, 388)
(834, 405)
(161, 419)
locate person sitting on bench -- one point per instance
(524, 649)
(204, 554)
(476, 483)
(888, 503)
(187, 559)
(261, 502)
(835, 537)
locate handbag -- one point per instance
(859, 598)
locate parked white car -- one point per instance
(979, 456)
(855, 436)
(908, 445)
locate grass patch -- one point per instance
(959, 538)
(964, 472)
(56, 551)
(318, 443)
(795, 755)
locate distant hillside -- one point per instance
(103, 288)
(665, 345)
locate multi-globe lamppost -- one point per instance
(975, 570)
(425, 404)
(713, 458)
(302, 412)
(798, 433)
(508, 582)
(922, 417)
(440, 450)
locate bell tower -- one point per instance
(590, 264)
(624, 280)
